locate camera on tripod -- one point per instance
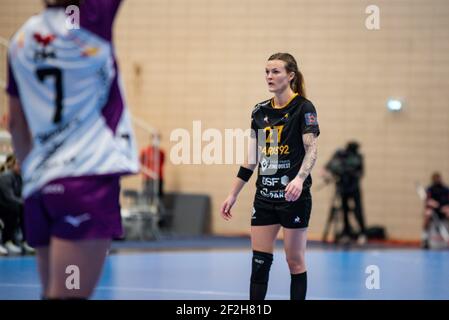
(345, 169)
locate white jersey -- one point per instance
(68, 86)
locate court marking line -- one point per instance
(173, 291)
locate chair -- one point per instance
(140, 218)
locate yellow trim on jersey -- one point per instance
(283, 106)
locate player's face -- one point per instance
(436, 179)
(277, 77)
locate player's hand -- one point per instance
(445, 210)
(226, 207)
(432, 203)
(293, 189)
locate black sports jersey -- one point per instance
(280, 162)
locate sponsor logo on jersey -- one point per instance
(54, 133)
(267, 164)
(278, 194)
(90, 52)
(264, 164)
(284, 164)
(53, 189)
(44, 51)
(44, 40)
(276, 150)
(311, 119)
(76, 221)
(285, 180)
(270, 182)
(48, 154)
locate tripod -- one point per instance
(332, 219)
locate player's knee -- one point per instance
(261, 265)
(296, 263)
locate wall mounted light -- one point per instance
(394, 105)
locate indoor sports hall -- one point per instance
(195, 77)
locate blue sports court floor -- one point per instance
(222, 274)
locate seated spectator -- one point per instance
(437, 202)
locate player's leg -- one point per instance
(75, 267)
(444, 217)
(295, 241)
(37, 233)
(264, 229)
(263, 237)
(42, 259)
(262, 243)
(85, 217)
(426, 227)
(295, 220)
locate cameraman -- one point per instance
(347, 167)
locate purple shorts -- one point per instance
(77, 208)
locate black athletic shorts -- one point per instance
(292, 215)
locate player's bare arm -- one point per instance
(310, 146)
(294, 188)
